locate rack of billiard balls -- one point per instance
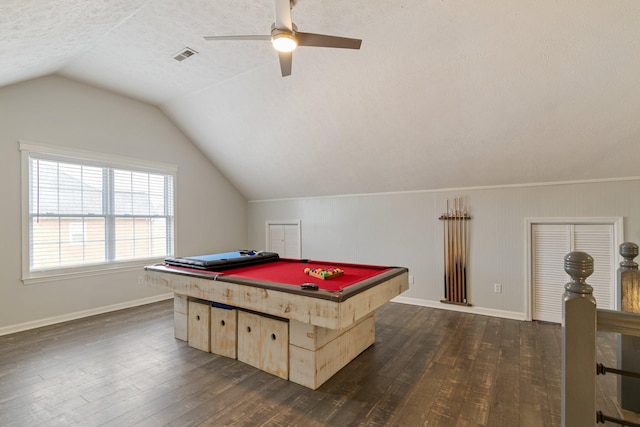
(324, 273)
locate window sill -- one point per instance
(86, 271)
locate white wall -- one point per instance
(403, 229)
(211, 214)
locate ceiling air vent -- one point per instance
(184, 54)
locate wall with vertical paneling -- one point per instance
(403, 229)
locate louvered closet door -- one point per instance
(550, 243)
(597, 241)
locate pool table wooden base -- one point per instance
(324, 335)
(313, 354)
(316, 353)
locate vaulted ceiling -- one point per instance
(442, 93)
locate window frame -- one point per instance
(88, 158)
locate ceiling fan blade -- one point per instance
(286, 58)
(258, 37)
(322, 40)
(283, 15)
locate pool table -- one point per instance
(326, 327)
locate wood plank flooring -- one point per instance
(428, 367)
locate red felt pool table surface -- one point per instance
(287, 275)
(291, 272)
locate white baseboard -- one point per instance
(6, 330)
(106, 309)
(461, 308)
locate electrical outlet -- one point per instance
(497, 288)
(411, 280)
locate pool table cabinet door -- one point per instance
(316, 353)
(274, 347)
(224, 332)
(199, 325)
(263, 342)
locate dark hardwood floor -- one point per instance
(427, 367)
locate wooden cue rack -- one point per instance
(455, 245)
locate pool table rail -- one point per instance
(332, 310)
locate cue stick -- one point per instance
(462, 258)
(449, 252)
(458, 251)
(464, 255)
(466, 252)
(455, 249)
(449, 260)
(444, 249)
(456, 224)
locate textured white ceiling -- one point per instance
(38, 37)
(442, 94)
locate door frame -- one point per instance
(618, 237)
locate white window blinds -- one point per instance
(82, 213)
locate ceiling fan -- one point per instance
(285, 37)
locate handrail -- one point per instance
(618, 321)
(602, 370)
(602, 418)
(581, 320)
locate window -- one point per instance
(76, 232)
(85, 213)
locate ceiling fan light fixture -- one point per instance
(284, 41)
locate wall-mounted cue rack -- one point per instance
(455, 236)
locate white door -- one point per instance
(598, 241)
(283, 238)
(550, 243)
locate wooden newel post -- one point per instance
(578, 344)
(628, 346)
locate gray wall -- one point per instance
(211, 214)
(403, 229)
